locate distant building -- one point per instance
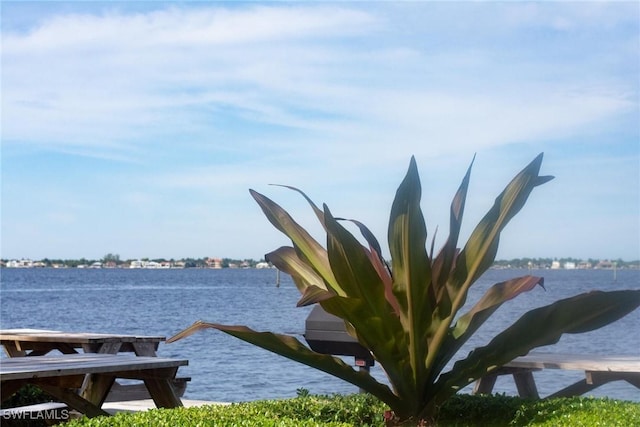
(214, 263)
(23, 263)
(569, 265)
(555, 265)
(605, 265)
(136, 264)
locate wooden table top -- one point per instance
(17, 368)
(580, 362)
(40, 335)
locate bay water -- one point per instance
(225, 369)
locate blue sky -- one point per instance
(137, 128)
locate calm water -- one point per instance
(162, 302)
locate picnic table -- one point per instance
(61, 376)
(39, 342)
(598, 369)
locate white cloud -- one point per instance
(195, 104)
(111, 81)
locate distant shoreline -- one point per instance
(227, 263)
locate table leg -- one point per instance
(109, 348)
(88, 386)
(96, 387)
(13, 349)
(162, 393)
(485, 384)
(526, 384)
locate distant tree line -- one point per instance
(114, 260)
(548, 262)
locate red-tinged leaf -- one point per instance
(469, 323)
(316, 209)
(444, 263)
(311, 250)
(313, 294)
(387, 280)
(286, 260)
(352, 267)
(368, 236)
(385, 338)
(481, 248)
(378, 262)
(491, 301)
(479, 252)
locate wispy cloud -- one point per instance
(215, 97)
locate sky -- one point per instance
(137, 128)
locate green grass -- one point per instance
(363, 410)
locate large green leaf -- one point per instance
(309, 248)
(352, 267)
(479, 252)
(316, 209)
(539, 327)
(293, 349)
(368, 236)
(469, 323)
(412, 270)
(495, 296)
(378, 262)
(385, 339)
(286, 260)
(444, 262)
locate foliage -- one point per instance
(407, 314)
(27, 395)
(364, 410)
(338, 411)
(578, 412)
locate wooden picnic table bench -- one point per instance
(40, 342)
(61, 376)
(598, 369)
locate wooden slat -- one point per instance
(35, 335)
(51, 366)
(580, 362)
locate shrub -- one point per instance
(364, 410)
(578, 412)
(27, 395)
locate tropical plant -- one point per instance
(406, 314)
